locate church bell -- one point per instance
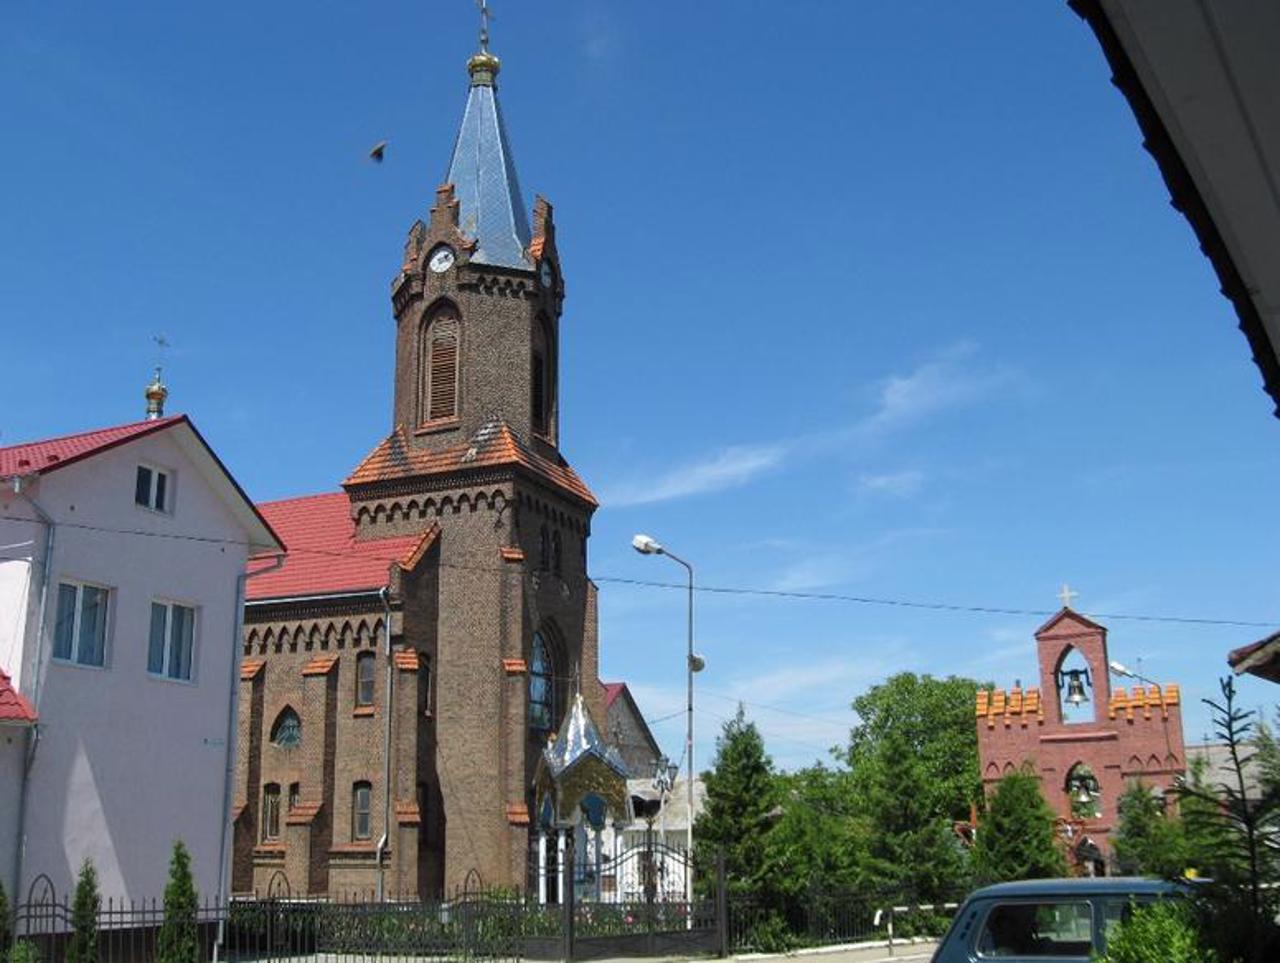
(1076, 680)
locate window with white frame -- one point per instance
(80, 628)
(172, 640)
(153, 488)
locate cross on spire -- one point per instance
(1067, 594)
(484, 24)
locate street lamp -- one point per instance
(647, 545)
(1119, 669)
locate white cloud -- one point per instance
(728, 468)
(901, 484)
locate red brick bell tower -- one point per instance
(1084, 759)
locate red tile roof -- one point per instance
(494, 444)
(611, 692)
(323, 556)
(39, 457)
(14, 706)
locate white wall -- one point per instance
(20, 542)
(127, 763)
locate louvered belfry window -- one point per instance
(440, 377)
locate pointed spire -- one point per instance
(482, 172)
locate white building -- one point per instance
(120, 609)
(626, 863)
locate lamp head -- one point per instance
(1119, 669)
(646, 545)
(697, 663)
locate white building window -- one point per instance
(153, 489)
(172, 640)
(80, 632)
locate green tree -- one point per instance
(1163, 931)
(1017, 839)
(1148, 840)
(83, 945)
(178, 941)
(929, 721)
(820, 840)
(6, 926)
(739, 810)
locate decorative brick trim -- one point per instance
(514, 666)
(320, 665)
(362, 712)
(1013, 706)
(250, 668)
(406, 660)
(511, 554)
(302, 814)
(429, 538)
(407, 814)
(269, 851)
(518, 814)
(354, 849)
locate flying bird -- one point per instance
(379, 149)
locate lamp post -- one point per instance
(1119, 669)
(646, 545)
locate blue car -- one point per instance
(1045, 919)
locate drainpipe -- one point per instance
(33, 737)
(385, 594)
(229, 773)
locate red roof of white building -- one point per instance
(41, 457)
(611, 692)
(14, 707)
(324, 557)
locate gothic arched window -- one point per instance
(544, 549)
(440, 351)
(557, 552)
(540, 380)
(541, 685)
(287, 731)
(365, 665)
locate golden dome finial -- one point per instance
(155, 393)
(484, 66)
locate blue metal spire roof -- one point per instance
(483, 175)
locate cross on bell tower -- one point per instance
(1066, 594)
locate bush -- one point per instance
(24, 951)
(6, 930)
(1164, 931)
(83, 946)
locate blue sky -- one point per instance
(874, 299)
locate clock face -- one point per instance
(441, 259)
(545, 274)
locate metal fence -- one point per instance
(830, 917)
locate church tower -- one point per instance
(478, 298)
(408, 661)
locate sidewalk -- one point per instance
(874, 953)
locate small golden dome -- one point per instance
(483, 67)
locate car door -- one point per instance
(1037, 928)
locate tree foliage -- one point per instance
(1164, 931)
(1149, 840)
(820, 839)
(83, 945)
(1017, 839)
(739, 811)
(179, 941)
(6, 926)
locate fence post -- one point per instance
(722, 906)
(566, 893)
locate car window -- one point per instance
(1037, 928)
(1118, 910)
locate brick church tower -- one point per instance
(409, 659)
(1084, 740)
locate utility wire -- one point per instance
(703, 589)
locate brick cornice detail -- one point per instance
(303, 814)
(250, 669)
(514, 666)
(407, 814)
(510, 554)
(518, 814)
(320, 665)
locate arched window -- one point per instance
(544, 549)
(271, 811)
(287, 731)
(541, 685)
(439, 352)
(1084, 793)
(1076, 696)
(540, 379)
(361, 807)
(365, 664)
(557, 552)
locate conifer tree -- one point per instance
(1017, 840)
(6, 931)
(739, 810)
(1148, 840)
(83, 946)
(179, 941)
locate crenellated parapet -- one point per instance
(1124, 705)
(1010, 707)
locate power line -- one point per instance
(705, 589)
(845, 724)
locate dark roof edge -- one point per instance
(1184, 195)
